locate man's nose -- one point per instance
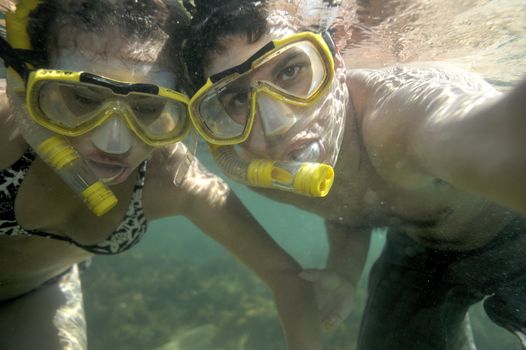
(276, 117)
(113, 136)
(257, 141)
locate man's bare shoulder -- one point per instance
(393, 103)
(416, 79)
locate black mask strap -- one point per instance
(12, 59)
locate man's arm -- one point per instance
(348, 250)
(480, 149)
(335, 285)
(442, 122)
(217, 211)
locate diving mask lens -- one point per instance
(68, 106)
(225, 109)
(74, 108)
(296, 73)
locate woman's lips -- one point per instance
(109, 171)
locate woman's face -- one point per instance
(311, 137)
(112, 150)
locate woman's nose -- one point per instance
(113, 136)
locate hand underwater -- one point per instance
(334, 295)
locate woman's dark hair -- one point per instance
(144, 21)
(213, 20)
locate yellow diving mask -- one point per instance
(73, 103)
(296, 71)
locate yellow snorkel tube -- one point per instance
(305, 178)
(54, 149)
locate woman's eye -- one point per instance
(85, 100)
(146, 110)
(147, 113)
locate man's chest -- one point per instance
(435, 206)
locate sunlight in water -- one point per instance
(71, 313)
(487, 37)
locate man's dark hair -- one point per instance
(144, 21)
(213, 20)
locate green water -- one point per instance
(180, 289)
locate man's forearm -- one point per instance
(348, 250)
(296, 305)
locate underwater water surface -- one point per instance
(178, 290)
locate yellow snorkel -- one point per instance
(54, 149)
(305, 178)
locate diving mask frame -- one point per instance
(321, 42)
(305, 178)
(41, 77)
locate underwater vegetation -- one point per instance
(139, 301)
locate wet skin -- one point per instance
(376, 182)
(45, 203)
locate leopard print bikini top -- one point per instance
(129, 232)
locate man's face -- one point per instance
(306, 133)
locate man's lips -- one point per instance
(305, 150)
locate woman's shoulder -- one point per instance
(12, 144)
(164, 189)
(178, 166)
(176, 180)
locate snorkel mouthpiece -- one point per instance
(304, 178)
(308, 179)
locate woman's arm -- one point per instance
(12, 144)
(217, 211)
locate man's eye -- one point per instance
(290, 72)
(240, 99)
